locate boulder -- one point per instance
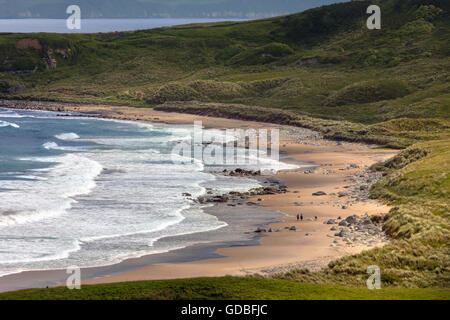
(342, 233)
(352, 219)
(319, 193)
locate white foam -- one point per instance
(54, 146)
(39, 256)
(8, 124)
(50, 145)
(11, 115)
(67, 136)
(51, 194)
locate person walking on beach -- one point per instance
(301, 217)
(298, 217)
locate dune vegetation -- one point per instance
(321, 69)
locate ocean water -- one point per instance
(92, 192)
(95, 25)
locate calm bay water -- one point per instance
(94, 25)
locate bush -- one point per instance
(401, 160)
(368, 91)
(382, 57)
(172, 92)
(262, 86)
(276, 49)
(415, 28)
(229, 52)
(262, 55)
(428, 13)
(214, 90)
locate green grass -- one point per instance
(417, 185)
(224, 288)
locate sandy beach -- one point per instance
(339, 183)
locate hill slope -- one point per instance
(321, 63)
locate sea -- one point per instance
(96, 25)
(85, 191)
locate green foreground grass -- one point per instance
(227, 288)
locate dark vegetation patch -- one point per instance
(368, 91)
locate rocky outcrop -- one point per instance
(355, 230)
(241, 172)
(235, 196)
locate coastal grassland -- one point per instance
(396, 133)
(417, 185)
(322, 63)
(301, 62)
(226, 288)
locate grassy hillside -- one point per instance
(225, 288)
(322, 63)
(321, 69)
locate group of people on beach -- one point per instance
(300, 217)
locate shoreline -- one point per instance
(311, 245)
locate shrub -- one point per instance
(375, 57)
(262, 55)
(229, 52)
(403, 159)
(172, 92)
(214, 90)
(428, 13)
(368, 91)
(415, 28)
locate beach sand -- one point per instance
(312, 245)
